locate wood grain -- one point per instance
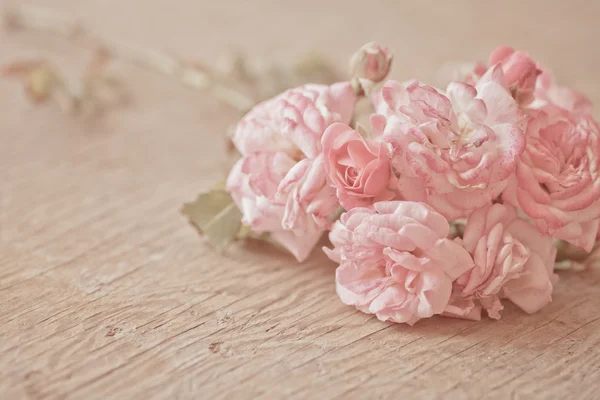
(106, 292)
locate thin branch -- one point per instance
(43, 20)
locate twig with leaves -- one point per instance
(241, 84)
(93, 92)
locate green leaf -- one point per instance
(216, 216)
(246, 232)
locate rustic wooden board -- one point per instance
(107, 292)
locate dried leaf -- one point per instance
(246, 232)
(41, 80)
(568, 252)
(216, 216)
(220, 186)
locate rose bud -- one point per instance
(371, 62)
(520, 72)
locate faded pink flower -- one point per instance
(304, 192)
(533, 86)
(455, 153)
(557, 181)
(280, 184)
(289, 200)
(512, 259)
(396, 261)
(479, 69)
(520, 71)
(294, 121)
(371, 62)
(359, 168)
(554, 99)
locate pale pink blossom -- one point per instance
(472, 72)
(512, 259)
(520, 71)
(294, 121)
(280, 184)
(304, 192)
(288, 200)
(555, 99)
(557, 181)
(396, 261)
(533, 86)
(456, 151)
(358, 168)
(371, 62)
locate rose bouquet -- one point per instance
(452, 202)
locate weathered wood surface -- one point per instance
(106, 292)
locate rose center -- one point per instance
(469, 134)
(412, 282)
(351, 174)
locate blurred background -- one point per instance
(421, 34)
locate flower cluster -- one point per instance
(453, 200)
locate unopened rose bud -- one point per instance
(519, 70)
(371, 62)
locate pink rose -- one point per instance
(554, 99)
(371, 62)
(395, 260)
(304, 192)
(533, 289)
(274, 198)
(520, 71)
(454, 153)
(471, 77)
(295, 120)
(512, 259)
(557, 181)
(358, 168)
(280, 184)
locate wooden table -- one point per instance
(107, 292)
